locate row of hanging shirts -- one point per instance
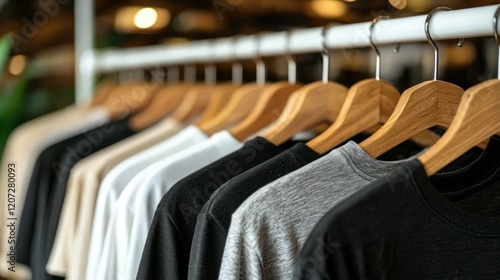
(202, 181)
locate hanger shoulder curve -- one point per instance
(165, 101)
(477, 119)
(239, 106)
(129, 99)
(101, 92)
(193, 103)
(421, 107)
(307, 106)
(218, 100)
(367, 103)
(270, 104)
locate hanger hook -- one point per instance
(496, 35)
(261, 66)
(236, 67)
(190, 74)
(325, 54)
(292, 64)
(374, 47)
(172, 74)
(210, 68)
(433, 44)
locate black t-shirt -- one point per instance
(409, 226)
(47, 189)
(215, 218)
(166, 252)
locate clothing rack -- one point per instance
(464, 23)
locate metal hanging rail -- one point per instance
(465, 23)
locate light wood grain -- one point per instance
(165, 101)
(193, 104)
(219, 99)
(368, 103)
(241, 103)
(423, 106)
(477, 118)
(268, 108)
(128, 99)
(101, 92)
(308, 106)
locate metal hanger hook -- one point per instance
(292, 64)
(497, 39)
(211, 69)
(375, 48)
(190, 74)
(433, 44)
(236, 67)
(172, 74)
(325, 54)
(210, 74)
(260, 65)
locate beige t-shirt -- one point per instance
(23, 147)
(74, 229)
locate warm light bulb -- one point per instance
(398, 4)
(145, 18)
(328, 8)
(17, 64)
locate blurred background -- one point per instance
(37, 43)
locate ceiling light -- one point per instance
(145, 18)
(133, 19)
(398, 4)
(328, 8)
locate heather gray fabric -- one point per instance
(269, 228)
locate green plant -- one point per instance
(11, 95)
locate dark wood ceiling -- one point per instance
(240, 16)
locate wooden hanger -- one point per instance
(128, 99)
(368, 103)
(239, 106)
(219, 99)
(222, 92)
(165, 101)
(101, 92)
(271, 102)
(196, 98)
(421, 107)
(308, 106)
(193, 104)
(242, 101)
(128, 80)
(477, 119)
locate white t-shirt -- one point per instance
(129, 227)
(75, 223)
(124, 174)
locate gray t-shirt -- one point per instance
(269, 228)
